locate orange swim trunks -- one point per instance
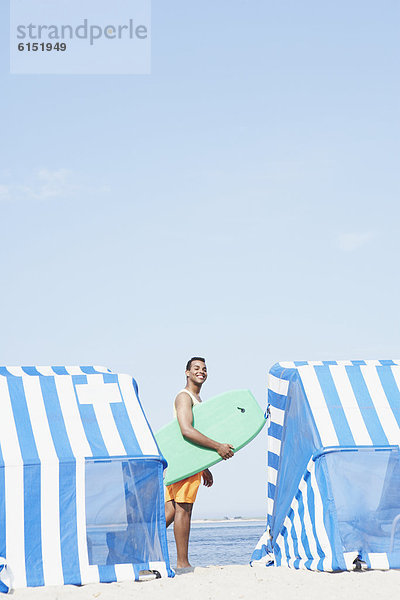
(184, 490)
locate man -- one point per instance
(181, 495)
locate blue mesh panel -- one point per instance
(124, 511)
(365, 485)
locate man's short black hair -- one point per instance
(189, 364)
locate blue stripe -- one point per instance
(136, 569)
(275, 430)
(311, 510)
(284, 533)
(89, 370)
(358, 362)
(271, 490)
(31, 475)
(68, 524)
(111, 378)
(32, 526)
(278, 555)
(55, 418)
(304, 537)
(92, 430)
(107, 573)
(67, 482)
(259, 553)
(60, 370)
(367, 407)
(125, 429)
(335, 407)
(391, 390)
(22, 419)
(277, 400)
(273, 460)
(89, 421)
(293, 535)
(30, 370)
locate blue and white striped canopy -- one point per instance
(326, 416)
(53, 420)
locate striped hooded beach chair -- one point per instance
(333, 466)
(81, 479)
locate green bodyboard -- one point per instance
(233, 418)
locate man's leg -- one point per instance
(169, 512)
(183, 515)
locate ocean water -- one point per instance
(219, 543)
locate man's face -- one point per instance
(197, 373)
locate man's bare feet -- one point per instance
(183, 570)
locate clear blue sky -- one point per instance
(241, 203)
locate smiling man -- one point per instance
(180, 496)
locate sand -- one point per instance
(235, 582)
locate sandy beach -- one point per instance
(235, 583)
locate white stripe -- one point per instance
(50, 523)
(288, 524)
(263, 541)
(382, 406)
(319, 522)
(272, 475)
(372, 363)
(277, 415)
(15, 535)
(287, 365)
(279, 386)
(72, 419)
(124, 572)
(102, 369)
(89, 573)
(307, 522)
(396, 374)
(274, 445)
(379, 560)
(270, 506)
(298, 529)
(8, 432)
(74, 370)
(349, 558)
(280, 543)
(316, 363)
(142, 430)
(160, 567)
(350, 406)
(17, 371)
(318, 406)
(14, 489)
(45, 370)
(344, 363)
(100, 394)
(49, 482)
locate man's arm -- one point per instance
(183, 405)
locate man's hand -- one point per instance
(208, 479)
(225, 451)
